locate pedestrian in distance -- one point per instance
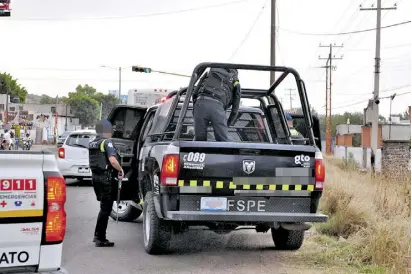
(104, 164)
(217, 91)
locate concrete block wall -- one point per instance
(396, 155)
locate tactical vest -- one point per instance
(97, 156)
(219, 84)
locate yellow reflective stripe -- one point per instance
(181, 183)
(232, 185)
(102, 145)
(219, 184)
(246, 186)
(259, 187)
(310, 187)
(206, 183)
(236, 83)
(285, 187)
(193, 183)
(298, 187)
(272, 187)
(294, 131)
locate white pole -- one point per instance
(101, 110)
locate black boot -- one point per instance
(104, 243)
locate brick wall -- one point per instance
(396, 155)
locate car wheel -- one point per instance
(156, 232)
(127, 212)
(287, 239)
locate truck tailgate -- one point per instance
(21, 211)
(247, 169)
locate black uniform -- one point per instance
(105, 187)
(217, 91)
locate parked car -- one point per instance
(73, 155)
(63, 137)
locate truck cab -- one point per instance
(32, 213)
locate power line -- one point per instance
(134, 16)
(250, 30)
(369, 93)
(363, 101)
(391, 47)
(345, 33)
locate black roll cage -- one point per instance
(249, 93)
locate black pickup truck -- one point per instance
(260, 178)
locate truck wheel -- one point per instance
(156, 232)
(127, 212)
(287, 239)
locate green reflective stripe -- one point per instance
(102, 146)
(236, 83)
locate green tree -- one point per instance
(10, 85)
(107, 103)
(84, 105)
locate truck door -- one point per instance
(127, 122)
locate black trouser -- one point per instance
(211, 111)
(106, 193)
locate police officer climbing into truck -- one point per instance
(105, 167)
(217, 91)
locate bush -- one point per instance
(372, 213)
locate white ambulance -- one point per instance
(32, 213)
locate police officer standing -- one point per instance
(104, 164)
(217, 90)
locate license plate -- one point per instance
(213, 204)
(84, 170)
(247, 205)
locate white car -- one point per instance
(73, 155)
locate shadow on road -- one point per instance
(83, 183)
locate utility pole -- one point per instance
(120, 82)
(375, 105)
(272, 40)
(328, 116)
(290, 96)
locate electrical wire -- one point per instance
(134, 16)
(363, 101)
(345, 33)
(250, 30)
(369, 93)
(384, 48)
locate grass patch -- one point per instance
(371, 217)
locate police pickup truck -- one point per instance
(32, 214)
(260, 178)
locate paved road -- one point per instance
(196, 252)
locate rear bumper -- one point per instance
(71, 169)
(246, 217)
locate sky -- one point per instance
(51, 46)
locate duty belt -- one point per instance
(209, 98)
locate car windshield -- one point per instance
(80, 139)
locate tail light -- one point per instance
(170, 170)
(56, 215)
(61, 152)
(320, 172)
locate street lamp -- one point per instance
(120, 76)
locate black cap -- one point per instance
(104, 126)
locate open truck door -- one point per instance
(127, 123)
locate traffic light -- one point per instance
(141, 69)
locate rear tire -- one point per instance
(128, 214)
(287, 239)
(156, 232)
